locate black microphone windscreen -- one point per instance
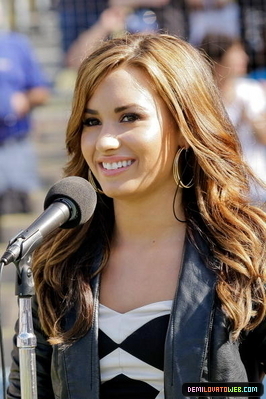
(77, 190)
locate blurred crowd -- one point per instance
(190, 19)
(231, 33)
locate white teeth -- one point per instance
(116, 165)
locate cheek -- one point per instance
(159, 144)
(151, 135)
(156, 150)
(151, 147)
(86, 147)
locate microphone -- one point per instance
(69, 203)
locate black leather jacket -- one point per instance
(198, 345)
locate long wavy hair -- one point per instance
(217, 205)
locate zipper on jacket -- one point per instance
(172, 316)
(93, 326)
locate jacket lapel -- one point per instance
(81, 362)
(188, 333)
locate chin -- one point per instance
(114, 192)
(120, 192)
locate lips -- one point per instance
(116, 165)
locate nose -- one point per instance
(107, 140)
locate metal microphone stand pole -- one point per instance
(26, 340)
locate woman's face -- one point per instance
(129, 137)
(235, 60)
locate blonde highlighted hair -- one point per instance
(217, 205)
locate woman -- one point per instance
(244, 100)
(165, 284)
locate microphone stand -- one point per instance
(26, 339)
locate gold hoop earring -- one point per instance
(176, 170)
(91, 180)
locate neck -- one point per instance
(148, 221)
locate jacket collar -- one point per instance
(189, 328)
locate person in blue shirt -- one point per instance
(23, 86)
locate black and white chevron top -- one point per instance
(131, 351)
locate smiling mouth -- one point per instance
(116, 165)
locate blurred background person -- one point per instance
(23, 86)
(83, 23)
(244, 99)
(112, 20)
(75, 16)
(153, 15)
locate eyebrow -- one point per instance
(116, 110)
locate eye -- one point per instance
(130, 118)
(91, 122)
